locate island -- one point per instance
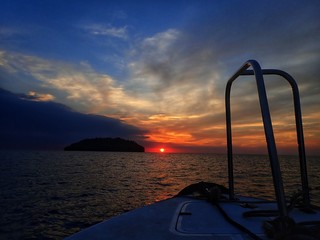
(105, 144)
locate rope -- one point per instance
(279, 228)
(236, 224)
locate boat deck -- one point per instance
(190, 218)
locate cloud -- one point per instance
(6, 32)
(107, 30)
(160, 43)
(176, 78)
(185, 71)
(78, 86)
(26, 124)
(41, 97)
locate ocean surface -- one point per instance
(51, 195)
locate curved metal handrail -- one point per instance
(267, 123)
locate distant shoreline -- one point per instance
(105, 145)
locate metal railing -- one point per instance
(268, 129)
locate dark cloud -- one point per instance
(221, 36)
(29, 124)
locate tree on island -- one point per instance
(105, 144)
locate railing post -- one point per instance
(272, 149)
(267, 123)
(299, 130)
(228, 128)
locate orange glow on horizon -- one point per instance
(162, 150)
(184, 134)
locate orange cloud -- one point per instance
(43, 97)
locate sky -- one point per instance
(155, 72)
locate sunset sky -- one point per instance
(155, 72)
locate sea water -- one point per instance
(51, 195)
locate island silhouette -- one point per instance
(105, 144)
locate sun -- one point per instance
(162, 150)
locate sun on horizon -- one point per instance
(162, 150)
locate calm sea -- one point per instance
(50, 195)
